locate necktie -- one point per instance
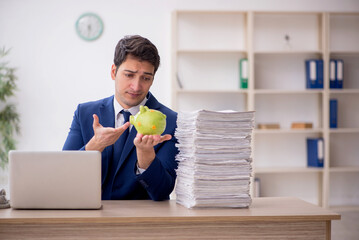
(120, 143)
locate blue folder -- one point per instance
(339, 73)
(314, 73)
(333, 73)
(336, 73)
(319, 82)
(315, 152)
(333, 113)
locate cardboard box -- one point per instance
(268, 126)
(302, 125)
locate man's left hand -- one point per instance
(144, 146)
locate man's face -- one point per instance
(132, 81)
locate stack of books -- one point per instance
(214, 160)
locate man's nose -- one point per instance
(136, 84)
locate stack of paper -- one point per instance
(214, 162)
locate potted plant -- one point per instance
(9, 118)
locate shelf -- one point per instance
(287, 170)
(345, 53)
(270, 74)
(303, 184)
(287, 131)
(194, 91)
(344, 169)
(282, 91)
(215, 51)
(207, 48)
(210, 30)
(218, 100)
(209, 12)
(343, 91)
(350, 73)
(271, 29)
(295, 52)
(342, 35)
(270, 108)
(306, 91)
(202, 71)
(344, 130)
(343, 188)
(345, 208)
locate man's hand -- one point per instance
(104, 136)
(144, 147)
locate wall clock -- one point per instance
(89, 26)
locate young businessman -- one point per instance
(133, 166)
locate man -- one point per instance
(137, 166)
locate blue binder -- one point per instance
(314, 73)
(333, 113)
(339, 73)
(311, 73)
(319, 82)
(333, 73)
(336, 73)
(315, 152)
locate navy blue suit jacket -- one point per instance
(157, 182)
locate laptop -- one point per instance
(55, 179)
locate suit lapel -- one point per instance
(152, 102)
(107, 119)
(107, 113)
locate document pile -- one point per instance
(214, 162)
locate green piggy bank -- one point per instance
(148, 121)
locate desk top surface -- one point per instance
(261, 209)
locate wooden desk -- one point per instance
(267, 218)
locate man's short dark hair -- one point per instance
(139, 47)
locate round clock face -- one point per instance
(89, 26)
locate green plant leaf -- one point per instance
(9, 118)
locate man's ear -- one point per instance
(113, 71)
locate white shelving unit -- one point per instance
(207, 47)
(343, 153)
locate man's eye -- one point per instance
(128, 75)
(147, 78)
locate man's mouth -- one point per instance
(134, 95)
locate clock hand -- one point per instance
(89, 30)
